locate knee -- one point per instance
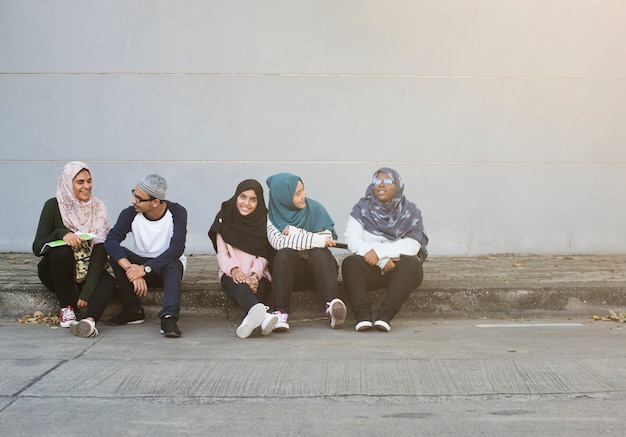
(322, 258)
(173, 268)
(413, 266)
(412, 262)
(322, 255)
(106, 284)
(61, 254)
(284, 255)
(106, 280)
(351, 263)
(265, 286)
(235, 290)
(118, 271)
(319, 251)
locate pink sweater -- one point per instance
(229, 257)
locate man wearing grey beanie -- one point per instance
(159, 229)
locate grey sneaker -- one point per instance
(85, 328)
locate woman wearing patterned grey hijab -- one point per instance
(385, 234)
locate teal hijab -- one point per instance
(282, 212)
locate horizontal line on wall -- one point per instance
(256, 162)
(306, 75)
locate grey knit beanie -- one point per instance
(154, 185)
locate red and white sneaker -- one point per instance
(281, 324)
(336, 312)
(67, 316)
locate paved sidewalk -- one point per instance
(506, 285)
(427, 377)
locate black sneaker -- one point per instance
(127, 318)
(169, 328)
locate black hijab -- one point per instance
(246, 233)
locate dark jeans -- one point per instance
(169, 277)
(359, 277)
(56, 272)
(292, 272)
(243, 294)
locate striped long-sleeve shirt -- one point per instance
(297, 239)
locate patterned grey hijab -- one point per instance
(392, 220)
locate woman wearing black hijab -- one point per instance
(239, 236)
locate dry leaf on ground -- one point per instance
(39, 318)
(612, 316)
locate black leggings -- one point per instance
(292, 272)
(359, 277)
(56, 271)
(243, 294)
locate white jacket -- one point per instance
(360, 242)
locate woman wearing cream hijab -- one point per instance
(73, 212)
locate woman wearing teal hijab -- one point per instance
(301, 231)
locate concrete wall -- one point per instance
(504, 117)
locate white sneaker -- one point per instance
(253, 320)
(281, 323)
(67, 317)
(85, 328)
(269, 321)
(336, 312)
(363, 325)
(382, 325)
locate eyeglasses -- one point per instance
(386, 181)
(139, 199)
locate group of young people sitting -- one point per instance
(263, 252)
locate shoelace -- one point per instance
(282, 317)
(68, 313)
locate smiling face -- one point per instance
(383, 192)
(299, 197)
(82, 185)
(247, 202)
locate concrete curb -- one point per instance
(496, 286)
(423, 303)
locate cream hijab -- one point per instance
(78, 216)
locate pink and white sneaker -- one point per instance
(336, 312)
(67, 316)
(281, 324)
(267, 327)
